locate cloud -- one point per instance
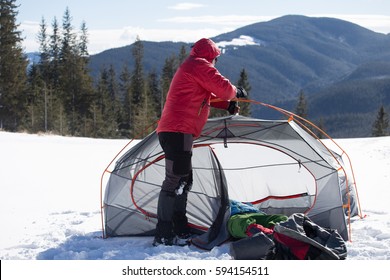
(100, 40)
(29, 35)
(377, 23)
(186, 6)
(228, 20)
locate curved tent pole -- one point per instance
(146, 213)
(106, 170)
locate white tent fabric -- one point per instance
(274, 164)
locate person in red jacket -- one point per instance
(194, 88)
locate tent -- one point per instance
(276, 165)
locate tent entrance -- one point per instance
(207, 199)
(270, 179)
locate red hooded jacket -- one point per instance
(195, 83)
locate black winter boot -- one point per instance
(165, 209)
(180, 220)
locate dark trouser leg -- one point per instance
(180, 220)
(165, 210)
(172, 212)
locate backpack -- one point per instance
(256, 247)
(299, 238)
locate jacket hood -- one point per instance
(205, 48)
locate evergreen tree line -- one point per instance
(58, 95)
(380, 127)
(64, 99)
(12, 68)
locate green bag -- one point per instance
(237, 224)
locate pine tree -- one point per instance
(147, 116)
(58, 114)
(168, 72)
(100, 107)
(137, 84)
(68, 72)
(171, 64)
(85, 83)
(43, 40)
(301, 107)
(154, 90)
(381, 124)
(54, 51)
(245, 108)
(44, 83)
(33, 120)
(182, 55)
(104, 107)
(124, 123)
(83, 42)
(12, 68)
(74, 79)
(114, 114)
(36, 118)
(321, 126)
(137, 79)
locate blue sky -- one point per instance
(117, 23)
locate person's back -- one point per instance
(196, 81)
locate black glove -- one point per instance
(241, 93)
(233, 107)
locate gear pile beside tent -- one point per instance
(276, 165)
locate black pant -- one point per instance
(178, 153)
(172, 203)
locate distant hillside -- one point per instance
(348, 108)
(343, 68)
(154, 57)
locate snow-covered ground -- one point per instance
(50, 202)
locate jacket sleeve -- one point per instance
(210, 79)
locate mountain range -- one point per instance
(342, 68)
